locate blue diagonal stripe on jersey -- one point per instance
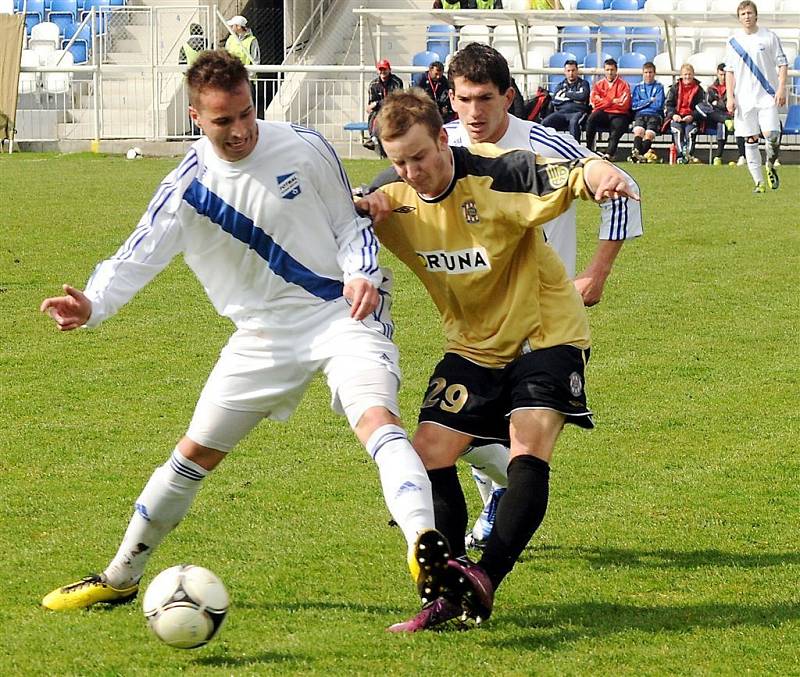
(755, 70)
(243, 229)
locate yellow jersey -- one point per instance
(480, 251)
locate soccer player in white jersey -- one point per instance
(481, 94)
(263, 215)
(755, 81)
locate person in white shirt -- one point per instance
(263, 215)
(481, 94)
(755, 83)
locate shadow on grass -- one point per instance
(661, 559)
(553, 626)
(291, 607)
(222, 661)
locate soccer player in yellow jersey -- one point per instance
(468, 222)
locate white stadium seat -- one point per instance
(29, 82)
(473, 33)
(58, 83)
(46, 31)
(660, 6)
(705, 62)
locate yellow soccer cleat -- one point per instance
(86, 592)
(427, 562)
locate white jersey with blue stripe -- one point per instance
(754, 59)
(621, 219)
(276, 231)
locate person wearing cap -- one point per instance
(242, 44)
(379, 89)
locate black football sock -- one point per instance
(449, 507)
(519, 514)
(637, 144)
(646, 146)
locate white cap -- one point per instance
(237, 20)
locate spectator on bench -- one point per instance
(717, 112)
(647, 103)
(435, 85)
(379, 89)
(611, 109)
(570, 102)
(681, 111)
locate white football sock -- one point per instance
(406, 487)
(164, 501)
(482, 482)
(753, 156)
(492, 460)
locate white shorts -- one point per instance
(265, 373)
(755, 121)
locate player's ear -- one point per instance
(194, 114)
(509, 97)
(442, 138)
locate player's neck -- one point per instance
(501, 130)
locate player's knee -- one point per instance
(439, 447)
(205, 457)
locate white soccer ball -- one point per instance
(185, 606)
(133, 153)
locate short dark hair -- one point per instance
(610, 62)
(480, 63)
(215, 69)
(403, 109)
(436, 64)
(720, 66)
(571, 62)
(648, 64)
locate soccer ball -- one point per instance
(185, 606)
(134, 153)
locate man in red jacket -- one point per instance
(611, 109)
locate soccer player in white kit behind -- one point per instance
(263, 215)
(481, 94)
(755, 81)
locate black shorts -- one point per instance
(477, 400)
(652, 123)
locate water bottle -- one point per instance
(673, 154)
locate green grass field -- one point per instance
(671, 543)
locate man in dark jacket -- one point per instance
(379, 89)
(570, 102)
(435, 85)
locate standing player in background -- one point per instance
(263, 215)
(481, 94)
(467, 223)
(755, 87)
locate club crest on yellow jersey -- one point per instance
(557, 175)
(470, 212)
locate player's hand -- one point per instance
(730, 106)
(589, 287)
(375, 205)
(363, 297)
(70, 311)
(608, 182)
(780, 98)
(687, 118)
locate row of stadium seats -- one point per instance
(42, 7)
(48, 37)
(49, 83)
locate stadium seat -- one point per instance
(504, 40)
(34, 7)
(645, 40)
(613, 40)
(473, 33)
(60, 8)
(792, 124)
(58, 83)
(576, 39)
(704, 62)
(30, 21)
(661, 62)
(558, 60)
(425, 58)
(442, 39)
(595, 60)
(28, 82)
(625, 5)
(85, 33)
(590, 5)
(632, 60)
(661, 6)
(79, 50)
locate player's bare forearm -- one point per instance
(375, 205)
(591, 282)
(363, 297)
(70, 311)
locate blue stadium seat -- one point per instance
(645, 40)
(792, 124)
(632, 60)
(85, 33)
(595, 60)
(30, 21)
(79, 50)
(613, 40)
(576, 39)
(796, 78)
(425, 58)
(558, 60)
(63, 21)
(625, 5)
(590, 5)
(35, 7)
(441, 39)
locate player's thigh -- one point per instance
(439, 447)
(551, 379)
(466, 398)
(768, 120)
(258, 373)
(535, 432)
(745, 123)
(214, 427)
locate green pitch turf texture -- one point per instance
(671, 542)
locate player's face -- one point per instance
(571, 72)
(482, 109)
(748, 18)
(422, 161)
(649, 76)
(228, 119)
(687, 75)
(436, 74)
(611, 72)
(721, 76)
